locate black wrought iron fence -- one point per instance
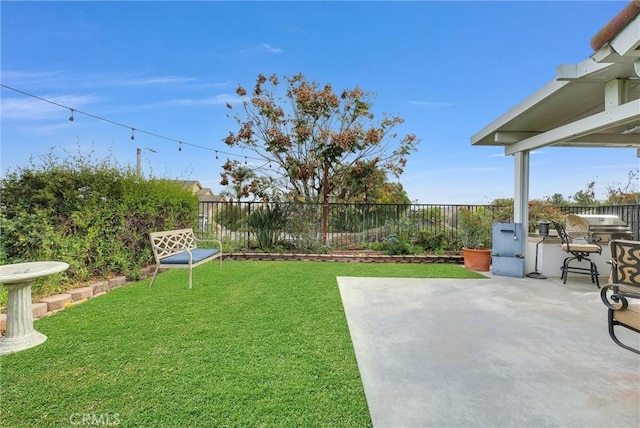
(356, 225)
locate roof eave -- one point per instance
(485, 136)
(617, 58)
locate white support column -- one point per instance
(616, 93)
(521, 193)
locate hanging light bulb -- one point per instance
(216, 155)
(133, 136)
(245, 160)
(71, 117)
(180, 146)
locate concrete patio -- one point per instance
(494, 352)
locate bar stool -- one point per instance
(579, 252)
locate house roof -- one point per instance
(210, 198)
(595, 103)
(610, 30)
(204, 193)
(188, 183)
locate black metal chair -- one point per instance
(580, 251)
(622, 295)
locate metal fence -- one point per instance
(350, 225)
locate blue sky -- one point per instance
(169, 68)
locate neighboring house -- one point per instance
(205, 194)
(207, 201)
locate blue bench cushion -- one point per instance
(182, 258)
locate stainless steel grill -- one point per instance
(599, 227)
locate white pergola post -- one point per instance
(521, 193)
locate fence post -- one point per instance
(248, 231)
(325, 202)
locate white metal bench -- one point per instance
(179, 249)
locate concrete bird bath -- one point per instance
(18, 279)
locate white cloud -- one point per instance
(267, 47)
(215, 100)
(32, 78)
(154, 80)
(60, 78)
(211, 85)
(468, 169)
(430, 104)
(34, 109)
(263, 47)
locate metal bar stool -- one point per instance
(580, 251)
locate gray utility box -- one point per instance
(507, 250)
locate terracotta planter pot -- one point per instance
(477, 259)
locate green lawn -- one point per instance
(253, 344)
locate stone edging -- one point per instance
(356, 257)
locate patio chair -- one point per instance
(580, 250)
(622, 295)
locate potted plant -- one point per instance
(474, 231)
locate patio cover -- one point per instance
(595, 103)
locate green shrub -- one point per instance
(303, 226)
(229, 216)
(393, 246)
(92, 215)
(474, 227)
(267, 224)
(435, 241)
(402, 237)
(539, 210)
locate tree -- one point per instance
(625, 193)
(392, 193)
(586, 197)
(557, 200)
(369, 184)
(320, 140)
(359, 182)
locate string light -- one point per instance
(113, 122)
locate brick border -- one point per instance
(352, 258)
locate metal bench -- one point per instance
(622, 295)
(179, 249)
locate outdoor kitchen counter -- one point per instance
(550, 257)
